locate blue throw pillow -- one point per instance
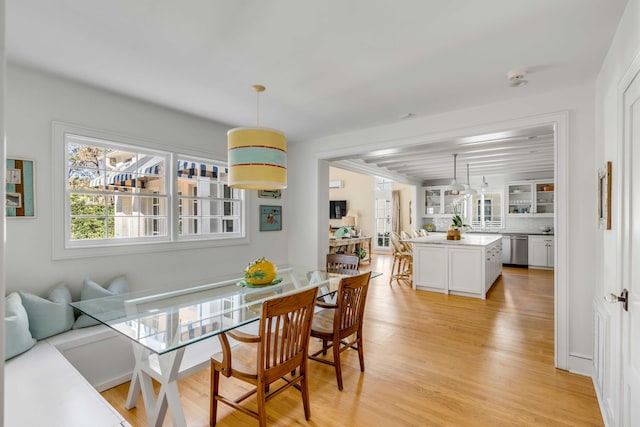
(17, 338)
(50, 316)
(92, 290)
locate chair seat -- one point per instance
(323, 323)
(244, 359)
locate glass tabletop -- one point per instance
(165, 320)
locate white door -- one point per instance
(631, 259)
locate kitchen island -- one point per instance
(466, 267)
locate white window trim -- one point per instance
(59, 213)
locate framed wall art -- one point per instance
(270, 194)
(604, 196)
(270, 218)
(20, 189)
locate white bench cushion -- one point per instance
(43, 389)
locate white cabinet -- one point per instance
(438, 202)
(465, 270)
(544, 198)
(520, 198)
(541, 252)
(527, 198)
(455, 268)
(432, 201)
(424, 260)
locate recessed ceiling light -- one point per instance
(516, 78)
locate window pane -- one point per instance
(84, 179)
(206, 199)
(154, 226)
(85, 156)
(89, 205)
(90, 228)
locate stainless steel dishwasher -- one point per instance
(515, 249)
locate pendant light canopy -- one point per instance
(467, 186)
(454, 187)
(257, 156)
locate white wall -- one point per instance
(358, 190)
(578, 101)
(34, 99)
(624, 49)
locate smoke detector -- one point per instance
(516, 78)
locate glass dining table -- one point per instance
(171, 329)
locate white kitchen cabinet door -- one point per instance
(430, 268)
(466, 270)
(541, 251)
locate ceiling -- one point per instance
(329, 67)
(512, 153)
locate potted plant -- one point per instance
(456, 224)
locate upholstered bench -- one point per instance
(42, 388)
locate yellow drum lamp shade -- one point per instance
(257, 159)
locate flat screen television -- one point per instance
(337, 209)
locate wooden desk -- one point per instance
(352, 245)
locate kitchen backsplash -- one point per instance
(512, 224)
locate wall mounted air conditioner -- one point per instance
(335, 184)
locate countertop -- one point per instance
(466, 240)
(503, 233)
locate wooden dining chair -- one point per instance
(339, 325)
(343, 264)
(278, 352)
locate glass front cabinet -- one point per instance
(432, 201)
(531, 198)
(438, 201)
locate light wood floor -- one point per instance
(431, 360)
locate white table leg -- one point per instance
(166, 373)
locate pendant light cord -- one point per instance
(258, 89)
(258, 109)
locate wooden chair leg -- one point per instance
(336, 363)
(213, 409)
(361, 352)
(262, 409)
(393, 270)
(304, 389)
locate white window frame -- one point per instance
(60, 211)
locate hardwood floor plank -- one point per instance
(431, 360)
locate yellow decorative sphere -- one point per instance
(260, 272)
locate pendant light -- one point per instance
(257, 156)
(467, 186)
(484, 185)
(454, 187)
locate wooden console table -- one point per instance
(352, 245)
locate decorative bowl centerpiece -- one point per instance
(260, 272)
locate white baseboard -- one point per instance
(580, 364)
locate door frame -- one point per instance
(622, 237)
(560, 123)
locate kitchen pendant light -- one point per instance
(484, 185)
(454, 187)
(257, 156)
(467, 186)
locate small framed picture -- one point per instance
(14, 200)
(604, 196)
(270, 218)
(270, 194)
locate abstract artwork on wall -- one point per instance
(20, 189)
